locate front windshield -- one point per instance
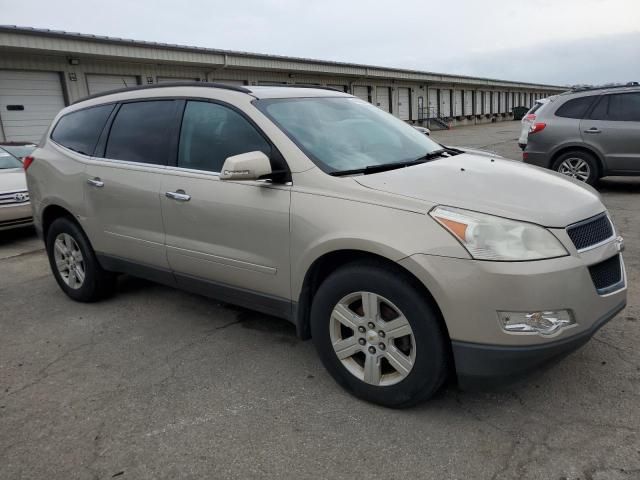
(343, 134)
(8, 161)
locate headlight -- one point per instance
(487, 237)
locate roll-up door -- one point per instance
(237, 83)
(479, 101)
(361, 92)
(342, 88)
(457, 103)
(404, 103)
(28, 103)
(445, 102)
(503, 99)
(98, 83)
(382, 98)
(432, 102)
(487, 102)
(495, 107)
(177, 79)
(468, 102)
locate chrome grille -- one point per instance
(20, 196)
(590, 232)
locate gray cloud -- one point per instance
(533, 41)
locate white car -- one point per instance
(424, 130)
(529, 119)
(15, 209)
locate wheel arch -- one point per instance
(329, 262)
(579, 147)
(51, 213)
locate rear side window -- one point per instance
(141, 132)
(210, 133)
(575, 108)
(624, 107)
(79, 131)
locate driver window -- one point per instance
(210, 133)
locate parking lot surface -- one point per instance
(158, 383)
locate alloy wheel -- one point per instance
(372, 338)
(69, 260)
(575, 168)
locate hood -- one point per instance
(506, 188)
(12, 179)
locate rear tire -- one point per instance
(74, 263)
(395, 364)
(579, 165)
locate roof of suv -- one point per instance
(259, 92)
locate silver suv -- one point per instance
(404, 260)
(587, 134)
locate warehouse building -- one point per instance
(41, 71)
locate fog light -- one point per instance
(544, 323)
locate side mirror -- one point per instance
(246, 166)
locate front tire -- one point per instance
(74, 263)
(378, 336)
(579, 165)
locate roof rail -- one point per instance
(293, 85)
(604, 87)
(167, 84)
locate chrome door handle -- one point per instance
(593, 130)
(95, 182)
(178, 195)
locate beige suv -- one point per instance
(405, 261)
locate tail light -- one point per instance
(537, 127)
(26, 163)
(531, 117)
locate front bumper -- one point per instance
(484, 366)
(469, 294)
(15, 215)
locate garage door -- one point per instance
(404, 103)
(237, 83)
(103, 83)
(487, 102)
(457, 103)
(468, 102)
(177, 79)
(28, 103)
(432, 99)
(382, 98)
(361, 92)
(445, 103)
(495, 99)
(478, 96)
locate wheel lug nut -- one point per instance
(362, 341)
(371, 325)
(372, 349)
(381, 346)
(381, 334)
(361, 329)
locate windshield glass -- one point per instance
(8, 161)
(341, 134)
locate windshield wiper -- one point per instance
(383, 167)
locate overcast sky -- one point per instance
(548, 41)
